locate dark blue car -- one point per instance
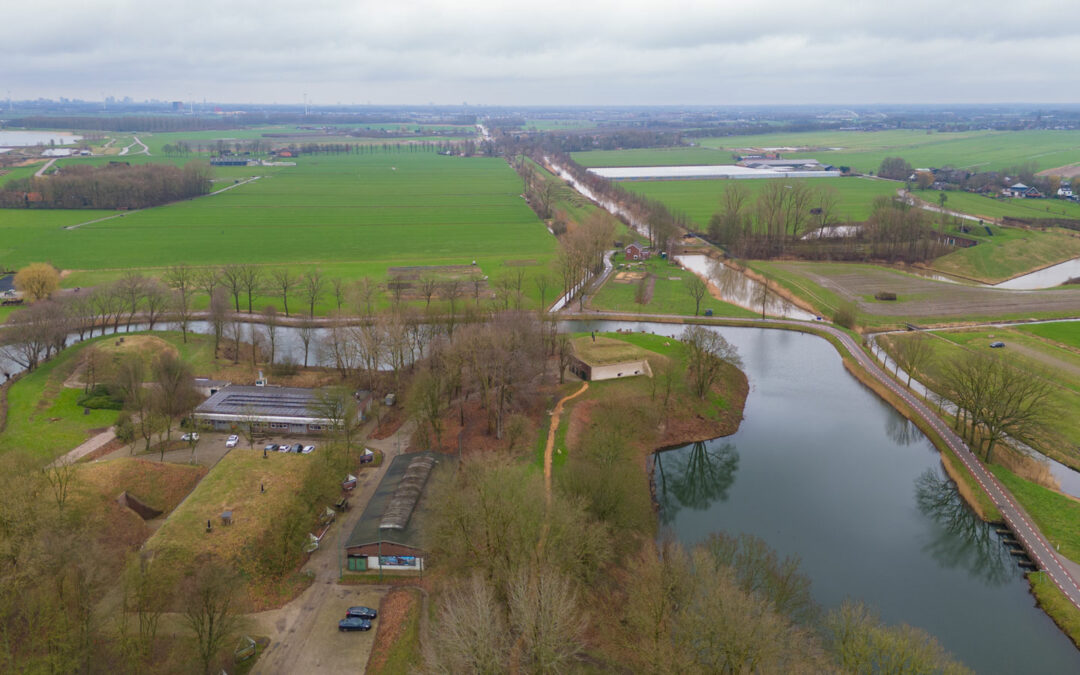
(361, 613)
(353, 623)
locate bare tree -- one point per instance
(60, 475)
(306, 331)
(472, 634)
(284, 281)
(182, 280)
(365, 291)
(708, 353)
(546, 613)
(270, 325)
(219, 314)
(250, 278)
(429, 284)
(210, 610)
(542, 282)
(132, 289)
(338, 286)
(231, 277)
(175, 394)
(697, 288)
(913, 354)
(155, 300)
(312, 287)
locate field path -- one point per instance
(556, 414)
(41, 172)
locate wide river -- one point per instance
(822, 469)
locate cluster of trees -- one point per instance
(769, 224)
(995, 399)
(152, 408)
(950, 178)
(116, 186)
(787, 217)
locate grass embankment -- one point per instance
(161, 486)
(1009, 252)
(1054, 603)
(397, 639)
(1059, 365)
(1056, 515)
(274, 503)
(670, 291)
(44, 418)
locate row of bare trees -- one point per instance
(117, 186)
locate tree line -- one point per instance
(794, 217)
(116, 186)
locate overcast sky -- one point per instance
(554, 52)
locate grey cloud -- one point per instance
(559, 51)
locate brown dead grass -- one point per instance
(161, 486)
(393, 611)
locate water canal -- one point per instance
(822, 469)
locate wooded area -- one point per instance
(116, 186)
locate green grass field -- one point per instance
(1009, 252)
(653, 157)
(973, 150)
(351, 215)
(699, 199)
(1059, 365)
(1066, 332)
(1054, 513)
(43, 416)
(990, 207)
(670, 294)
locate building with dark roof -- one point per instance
(387, 535)
(285, 410)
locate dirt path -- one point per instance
(87, 447)
(1046, 359)
(556, 414)
(41, 172)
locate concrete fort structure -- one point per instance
(598, 358)
(285, 410)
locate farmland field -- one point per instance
(699, 199)
(653, 157)
(359, 214)
(1066, 333)
(990, 207)
(920, 300)
(973, 150)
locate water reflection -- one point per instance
(959, 539)
(694, 476)
(902, 431)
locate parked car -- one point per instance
(997, 345)
(190, 436)
(361, 613)
(232, 441)
(297, 448)
(353, 624)
(284, 447)
(308, 449)
(367, 457)
(270, 447)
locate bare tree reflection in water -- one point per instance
(960, 538)
(694, 477)
(901, 430)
